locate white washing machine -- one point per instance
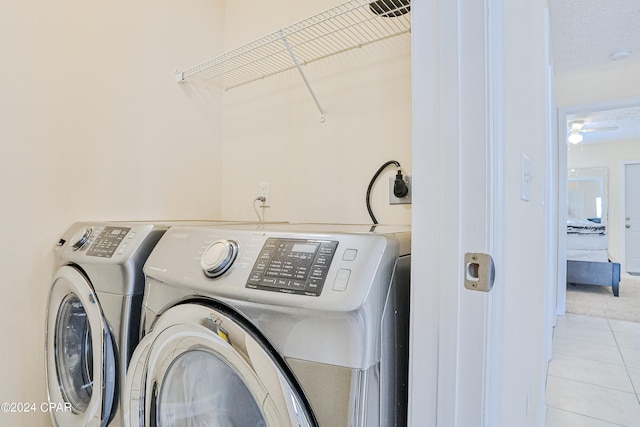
(93, 317)
(277, 325)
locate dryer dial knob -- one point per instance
(219, 257)
(80, 238)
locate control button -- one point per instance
(131, 235)
(80, 238)
(315, 284)
(342, 279)
(268, 282)
(282, 283)
(322, 260)
(295, 284)
(219, 257)
(350, 254)
(122, 248)
(319, 272)
(255, 277)
(326, 250)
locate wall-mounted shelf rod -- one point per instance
(304, 77)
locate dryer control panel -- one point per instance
(296, 266)
(108, 241)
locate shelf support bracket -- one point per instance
(283, 37)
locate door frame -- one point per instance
(563, 182)
(456, 352)
(623, 211)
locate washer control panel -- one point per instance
(295, 266)
(107, 242)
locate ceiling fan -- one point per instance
(577, 128)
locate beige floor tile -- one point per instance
(570, 347)
(634, 373)
(578, 321)
(631, 357)
(560, 418)
(624, 326)
(593, 401)
(586, 334)
(591, 372)
(628, 339)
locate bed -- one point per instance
(588, 261)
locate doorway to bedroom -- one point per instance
(599, 179)
(595, 365)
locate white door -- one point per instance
(632, 218)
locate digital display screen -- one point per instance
(309, 249)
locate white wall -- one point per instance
(32, 135)
(93, 126)
(611, 156)
(619, 82)
(319, 172)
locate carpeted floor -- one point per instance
(599, 300)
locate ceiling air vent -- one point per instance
(390, 8)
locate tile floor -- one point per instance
(594, 377)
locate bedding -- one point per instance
(583, 226)
(586, 241)
(588, 255)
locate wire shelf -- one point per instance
(353, 24)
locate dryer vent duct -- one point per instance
(390, 8)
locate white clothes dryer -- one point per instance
(93, 317)
(276, 325)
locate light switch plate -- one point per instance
(526, 179)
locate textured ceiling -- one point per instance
(585, 35)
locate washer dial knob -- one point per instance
(80, 238)
(218, 257)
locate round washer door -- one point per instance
(80, 356)
(203, 365)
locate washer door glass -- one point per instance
(74, 353)
(199, 389)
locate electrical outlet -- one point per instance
(393, 200)
(265, 192)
